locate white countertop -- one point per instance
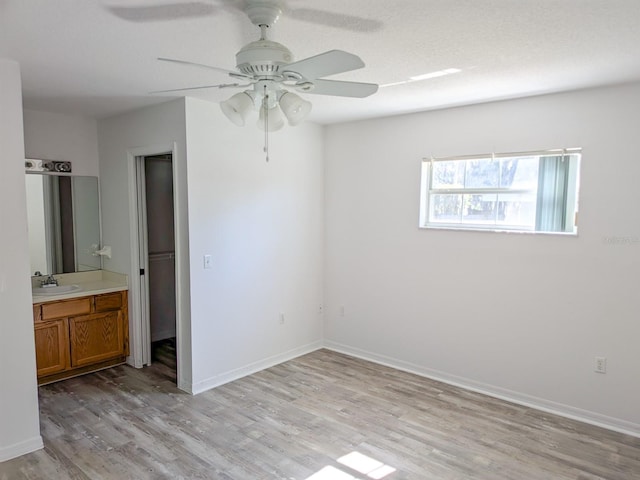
(91, 283)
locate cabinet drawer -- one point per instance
(108, 301)
(66, 308)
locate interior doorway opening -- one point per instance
(157, 260)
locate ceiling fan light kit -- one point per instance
(281, 104)
(237, 108)
(270, 119)
(294, 107)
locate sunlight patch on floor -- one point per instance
(357, 462)
(370, 467)
(330, 473)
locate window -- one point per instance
(523, 192)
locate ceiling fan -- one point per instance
(168, 11)
(269, 76)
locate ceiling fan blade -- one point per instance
(325, 64)
(222, 85)
(343, 89)
(166, 12)
(336, 20)
(184, 62)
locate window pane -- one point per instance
(510, 192)
(517, 210)
(479, 209)
(482, 173)
(519, 172)
(448, 174)
(445, 208)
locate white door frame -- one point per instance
(139, 325)
(143, 260)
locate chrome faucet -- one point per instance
(49, 282)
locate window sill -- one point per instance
(495, 230)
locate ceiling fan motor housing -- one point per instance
(263, 57)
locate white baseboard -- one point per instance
(21, 448)
(254, 367)
(586, 416)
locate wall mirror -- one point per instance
(63, 215)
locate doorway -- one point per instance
(157, 261)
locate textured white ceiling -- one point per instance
(88, 57)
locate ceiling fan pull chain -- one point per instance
(265, 106)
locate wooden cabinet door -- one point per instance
(96, 337)
(52, 346)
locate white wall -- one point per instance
(19, 423)
(55, 136)
(262, 223)
(516, 315)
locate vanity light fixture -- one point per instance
(36, 165)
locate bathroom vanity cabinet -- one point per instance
(80, 335)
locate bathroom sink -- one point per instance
(56, 289)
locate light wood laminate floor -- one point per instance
(294, 421)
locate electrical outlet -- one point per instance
(320, 309)
(601, 365)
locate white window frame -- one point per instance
(570, 213)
